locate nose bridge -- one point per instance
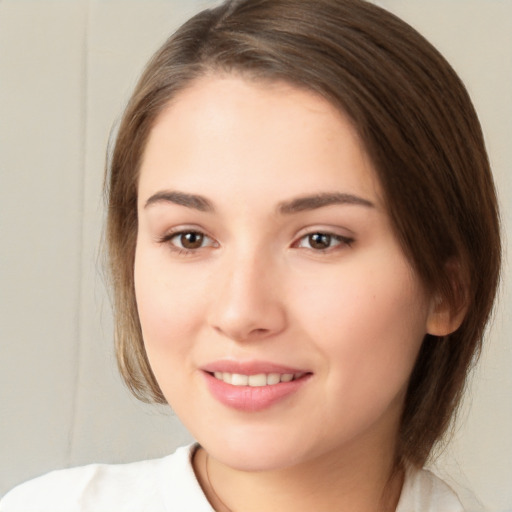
(248, 302)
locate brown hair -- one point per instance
(419, 128)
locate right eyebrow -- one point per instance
(181, 198)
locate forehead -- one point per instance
(232, 130)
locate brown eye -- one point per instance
(323, 242)
(319, 241)
(190, 240)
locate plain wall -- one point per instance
(66, 70)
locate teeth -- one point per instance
(259, 380)
(239, 380)
(273, 378)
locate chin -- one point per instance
(251, 460)
(255, 450)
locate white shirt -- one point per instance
(170, 485)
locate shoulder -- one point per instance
(153, 485)
(92, 487)
(425, 492)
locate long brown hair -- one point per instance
(419, 127)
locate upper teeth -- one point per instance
(261, 379)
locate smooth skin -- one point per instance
(230, 266)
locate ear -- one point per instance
(444, 318)
(448, 310)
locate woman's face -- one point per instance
(265, 254)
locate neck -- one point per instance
(335, 482)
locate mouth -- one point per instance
(256, 380)
(253, 386)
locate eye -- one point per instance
(320, 241)
(188, 241)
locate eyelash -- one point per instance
(168, 240)
(341, 241)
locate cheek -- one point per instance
(168, 305)
(369, 324)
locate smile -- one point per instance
(253, 386)
(258, 380)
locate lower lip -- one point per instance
(252, 399)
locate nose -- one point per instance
(247, 300)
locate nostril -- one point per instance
(259, 331)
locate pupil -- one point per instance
(319, 241)
(191, 240)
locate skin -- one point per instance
(353, 315)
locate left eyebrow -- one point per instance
(320, 200)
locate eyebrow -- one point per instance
(298, 204)
(320, 200)
(181, 198)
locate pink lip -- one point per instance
(248, 398)
(249, 367)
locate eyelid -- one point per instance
(168, 236)
(343, 240)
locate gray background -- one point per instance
(66, 70)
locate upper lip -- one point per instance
(249, 367)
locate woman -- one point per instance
(304, 246)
